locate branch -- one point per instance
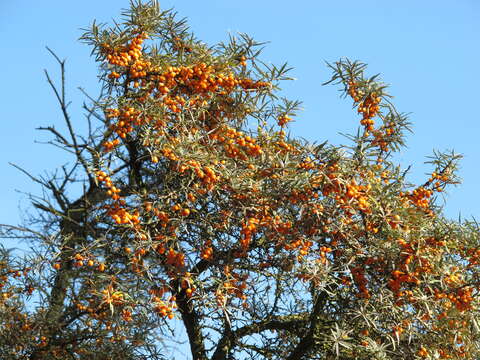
(57, 134)
(190, 320)
(229, 338)
(316, 321)
(33, 178)
(63, 107)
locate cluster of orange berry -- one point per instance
(324, 251)
(401, 275)
(168, 153)
(128, 117)
(187, 285)
(461, 297)
(307, 164)
(191, 84)
(121, 216)
(235, 284)
(438, 181)
(301, 244)
(398, 278)
(435, 242)
(110, 145)
(358, 274)
(359, 193)
(126, 315)
(162, 216)
(249, 227)
(303, 196)
(42, 341)
(345, 193)
(110, 296)
(236, 143)
(423, 352)
(162, 307)
(175, 259)
(112, 191)
(285, 147)
(394, 221)
(420, 197)
(281, 227)
(283, 120)
(397, 330)
(249, 84)
(243, 61)
(7, 288)
(128, 56)
(381, 139)
(100, 305)
(206, 174)
(117, 212)
(474, 257)
(207, 250)
(368, 107)
(81, 260)
(304, 247)
(174, 103)
(181, 210)
(199, 78)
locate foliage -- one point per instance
(199, 211)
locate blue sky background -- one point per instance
(427, 50)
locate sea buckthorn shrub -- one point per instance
(200, 216)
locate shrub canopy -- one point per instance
(199, 212)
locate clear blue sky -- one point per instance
(427, 50)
